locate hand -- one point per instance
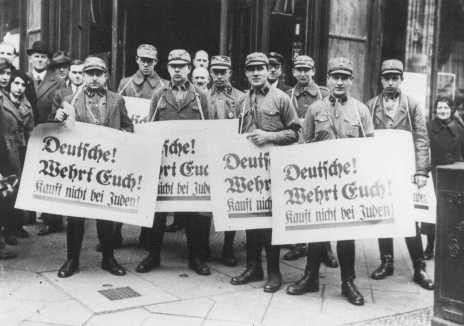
(420, 181)
(260, 137)
(61, 115)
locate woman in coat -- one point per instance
(19, 122)
(446, 133)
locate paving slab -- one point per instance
(199, 307)
(73, 313)
(171, 320)
(85, 286)
(120, 318)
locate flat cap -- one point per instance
(94, 63)
(179, 56)
(256, 58)
(147, 51)
(392, 66)
(60, 58)
(276, 57)
(220, 61)
(303, 61)
(340, 65)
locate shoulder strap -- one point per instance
(153, 117)
(197, 98)
(125, 86)
(409, 114)
(363, 132)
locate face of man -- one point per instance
(391, 82)
(95, 78)
(7, 52)
(5, 76)
(76, 74)
(178, 72)
(62, 71)
(275, 71)
(39, 61)
(303, 75)
(201, 60)
(257, 75)
(339, 84)
(146, 65)
(220, 76)
(18, 87)
(200, 77)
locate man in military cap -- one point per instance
(46, 83)
(305, 93)
(393, 109)
(146, 80)
(142, 84)
(224, 103)
(96, 105)
(268, 117)
(336, 116)
(200, 78)
(179, 100)
(276, 62)
(61, 63)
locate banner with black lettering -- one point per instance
(241, 186)
(184, 182)
(90, 171)
(342, 189)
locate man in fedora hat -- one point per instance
(46, 83)
(61, 63)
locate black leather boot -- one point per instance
(70, 267)
(111, 265)
(421, 277)
(228, 258)
(329, 257)
(350, 291)
(254, 269)
(295, 252)
(274, 277)
(252, 273)
(199, 266)
(385, 269)
(150, 262)
(308, 283)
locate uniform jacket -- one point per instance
(18, 125)
(446, 141)
(412, 120)
(303, 97)
(116, 116)
(44, 93)
(329, 119)
(164, 106)
(282, 86)
(137, 86)
(273, 112)
(224, 104)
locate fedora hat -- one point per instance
(38, 47)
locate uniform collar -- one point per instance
(333, 99)
(91, 92)
(394, 96)
(226, 89)
(310, 88)
(182, 87)
(262, 90)
(152, 79)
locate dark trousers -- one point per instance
(75, 234)
(52, 220)
(345, 255)
(196, 229)
(414, 245)
(256, 240)
(228, 247)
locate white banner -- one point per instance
(425, 203)
(90, 171)
(184, 184)
(138, 109)
(241, 186)
(342, 189)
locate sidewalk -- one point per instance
(31, 294)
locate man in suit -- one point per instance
(276, 62)
(46, 83)
(76, 78)
(393, 109)
(60, 64)
(96, 105)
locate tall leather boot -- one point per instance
(254, 269)
(386, 257)
(197, 232)
(329, 257)
(310, 280)
(228, 257)
(154, 240)
(105, 232)
(421, 277)
(346, 257)
(416, 253)
(74, 236)
(274, 277)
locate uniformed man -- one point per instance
(305, 93)
(270, 118)
(200, 78)
(224, 103)
(179, 100)
(201, 59)
(61, 63)
(96, 105)
(146, 80)
(142, 84)
(393, 109)
(337, 116)
(276, 62)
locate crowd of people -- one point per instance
(270, 112)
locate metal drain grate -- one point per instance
(119, 293)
